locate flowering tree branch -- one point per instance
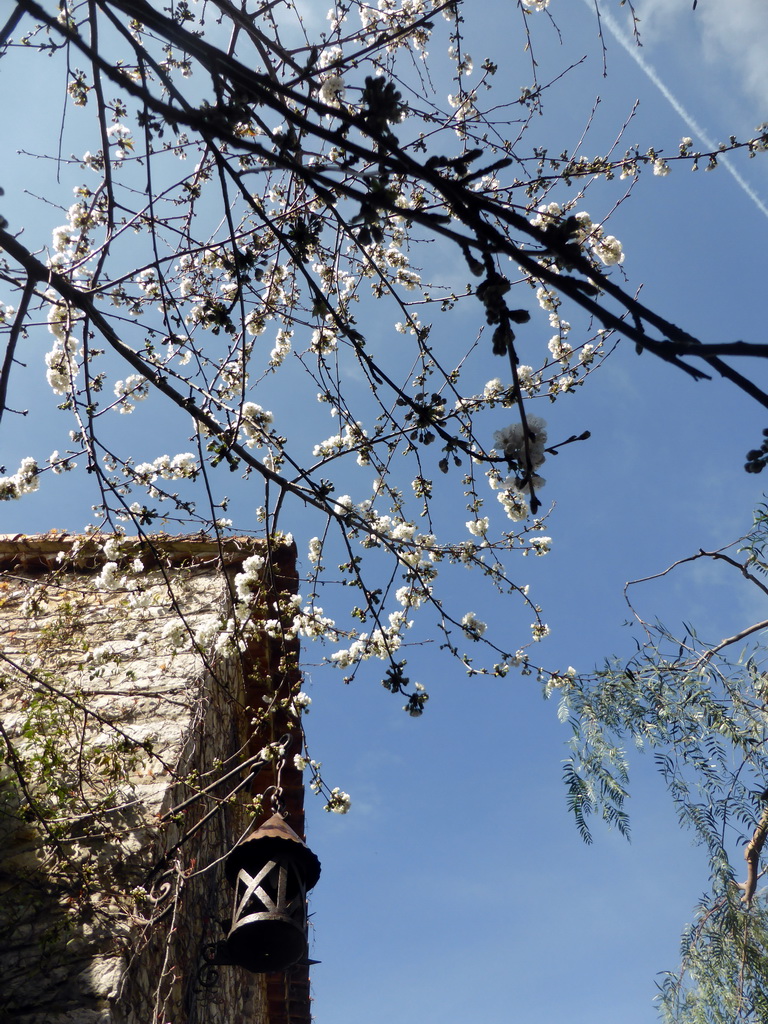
(477, 213)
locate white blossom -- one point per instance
(255, 422)
(478, 527)
(608, 250)
(512, 441)
(118, 131)
(412, 595)
(24, 481)
(108, 578)
(540, 545)
(255, 322)
(282, 347)
(301, 701)
(324, 341)
(559, 348)
(332, 91)
(134, 388)
(250, 580)
(546, 298)
(180, 467)
(493, 390)
(472, 626)
(339, 802)
(61, 464)
(272, 752)
(548, 213)
(514, 504)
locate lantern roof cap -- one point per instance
(274, 839)
(275, 826)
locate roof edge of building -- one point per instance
(45, 552)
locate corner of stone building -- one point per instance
(129, 696)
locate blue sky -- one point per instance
(457, 886)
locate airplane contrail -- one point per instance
(693, 125)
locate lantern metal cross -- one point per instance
(271, 872)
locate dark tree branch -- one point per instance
(18, 326)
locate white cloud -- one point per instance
(623, 35)
(732, 35)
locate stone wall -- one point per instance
(123, 701)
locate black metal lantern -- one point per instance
(271, 872)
